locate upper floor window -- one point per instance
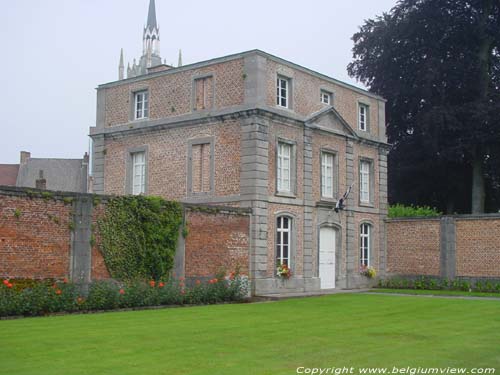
(138, 173)
(141, 105)
(364, 181)
(365, 244)
(327, 174)
(203, 93)
(362, 117)
(284, 167)
(326, 97)
(283, 237)
(282, 92)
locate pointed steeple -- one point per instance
(179, 62)
(152, 16)
(121, 66)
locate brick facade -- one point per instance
(243, 124)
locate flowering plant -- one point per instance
(367, 271)
(283, 271)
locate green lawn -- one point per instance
(457, 293)
(262, 338)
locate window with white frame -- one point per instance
(138, 173)
(325, 97)
(282, 91)
(283, 239)
(364, 181)
(365, 241)
(141, 105)
(362, 117)
(284, 167)
(327, 171)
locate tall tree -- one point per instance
(437, 62)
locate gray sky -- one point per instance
(55, 52)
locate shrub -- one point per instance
(399, 210)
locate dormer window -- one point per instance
(363, 117)
(326, 97)
(282, 92)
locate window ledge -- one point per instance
(285, 194)
(367, 205)
(330, 202)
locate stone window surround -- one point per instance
(293, 168)
(370, 241)
(129, 168)
(132, 93)
(199, 141)
(335, 186)
(194, 78)
(322, 91)
(363, 103)
(289, 92)
(371, 185)
(292, 239)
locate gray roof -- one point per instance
(152, 15)
(60, 174)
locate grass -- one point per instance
(458, 293)
(263, 338)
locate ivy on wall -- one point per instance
(139, 236)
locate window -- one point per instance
(283, 236)
(327, 171)
(200, 168)
(138, 173)
(141, 107)
(284, 167)
(282, 91)
(325, 97)
(362, 117)
(364, 237)
(364, 181)
(203, 93)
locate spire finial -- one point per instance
(121, 66)
(179, 62)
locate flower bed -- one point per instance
(45, 297)
(430, 283)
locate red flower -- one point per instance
(183, 292)
(58, 291)
(161, 285)
(54, 285)
(9, 285)
(6, 282)
(152, 283)
(198, 282)
(65, 280)
(122, 291)
(80, 300)
(231, 275)
(212, 281)
(181, 279)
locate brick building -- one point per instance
(254, 130)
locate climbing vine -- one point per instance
(138, 236)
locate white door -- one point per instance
(327, 257)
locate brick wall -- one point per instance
(36, 237)
(418, 246)
(413, 247)
(218, 240)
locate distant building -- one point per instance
(47, 173)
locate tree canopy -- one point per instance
(437, 62)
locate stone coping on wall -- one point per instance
(437, 218)
(52, 194)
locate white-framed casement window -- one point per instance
(283, 239)
(284, 167)
(138, 173)
(282, 92)
(325, 97)
(364, 244)
(141, 105)
(327, 171)
(362, 117)
(364, 181)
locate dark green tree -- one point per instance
(437, 62)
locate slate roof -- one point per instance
(60, 174)
(8, 174)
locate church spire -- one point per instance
(152, 16)
(179, 62)
(121, 66)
